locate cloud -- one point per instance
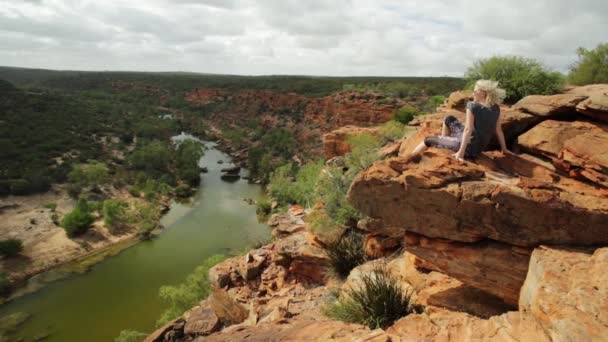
(315, 37)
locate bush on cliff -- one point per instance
(182, 297)
(287, 189)
(11, 247)
(188, 153)
(345, 253)
(591, 67)
(405, 115)
(376, 302)
(519, 76)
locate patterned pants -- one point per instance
(451, 142)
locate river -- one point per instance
(121, 292)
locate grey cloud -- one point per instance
(342, 37)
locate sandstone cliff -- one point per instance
(502, 248)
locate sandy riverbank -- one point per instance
(46, 245)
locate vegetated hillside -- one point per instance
(180, 82)
(53, 119)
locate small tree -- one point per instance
(519, 76)
(405, 115)
(92, 173)
(79, 220)
(114, 214)
(591, 67)
(11, 247)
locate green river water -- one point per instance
(121, 292)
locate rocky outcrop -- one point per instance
(335, 143)
(566, 292)
(487, 222)
(549, 105)
(595, 105)
(439, 197)
(497, 268)
(578, 148)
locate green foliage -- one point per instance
(153, 158)
(145, 215)
(363, 152)
(51, 206)
(322, 225)
(182, 297)
(300, 189)
(79, 220)
(183, 191)
(188, 153)
(391, 131)
(114, 214)
(519, 76)
(5, 284)
(405, 115)
(92, 173)
(130, 336)
(345, 253)
(280, 141)
(433, 102)
(591, 67)
(331, 191)
(11, 247)
(376, 302)
(263, 206)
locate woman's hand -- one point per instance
(459, 156)
(506, 152)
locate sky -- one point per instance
(295, 37)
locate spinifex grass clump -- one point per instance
(345, 253)
(376, 301)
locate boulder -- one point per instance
(227, 310)
(378, 245)
(494, 267)
(202, 321)
(448, 326)
(225, 273)
(566, 292)
(458, 100)
(596, 104)
(251, 265)
(305, 262)
(549, 105)
(436, 196)
(578, 148)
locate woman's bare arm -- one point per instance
(501, 136)
(466, 135)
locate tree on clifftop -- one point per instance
(519, 76)
(591, 67)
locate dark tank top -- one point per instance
(484, 127)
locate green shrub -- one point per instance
(263, 206)
(135, 192)
(51, 206)
(79, 220)
(92, 173)
(322, 225)
(377, 302)
(183, 191)
(154, 158)
(114, 214)
(591, 67)
(345, 253)
(130, 336)
(280, 186)
(362, 154)
(519, 76)
(405, 115)
(11, 247)
(331, 190)
(182, 297)
(188, 153)
(391, 131)
(433, 102)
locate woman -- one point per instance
(481, 122)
